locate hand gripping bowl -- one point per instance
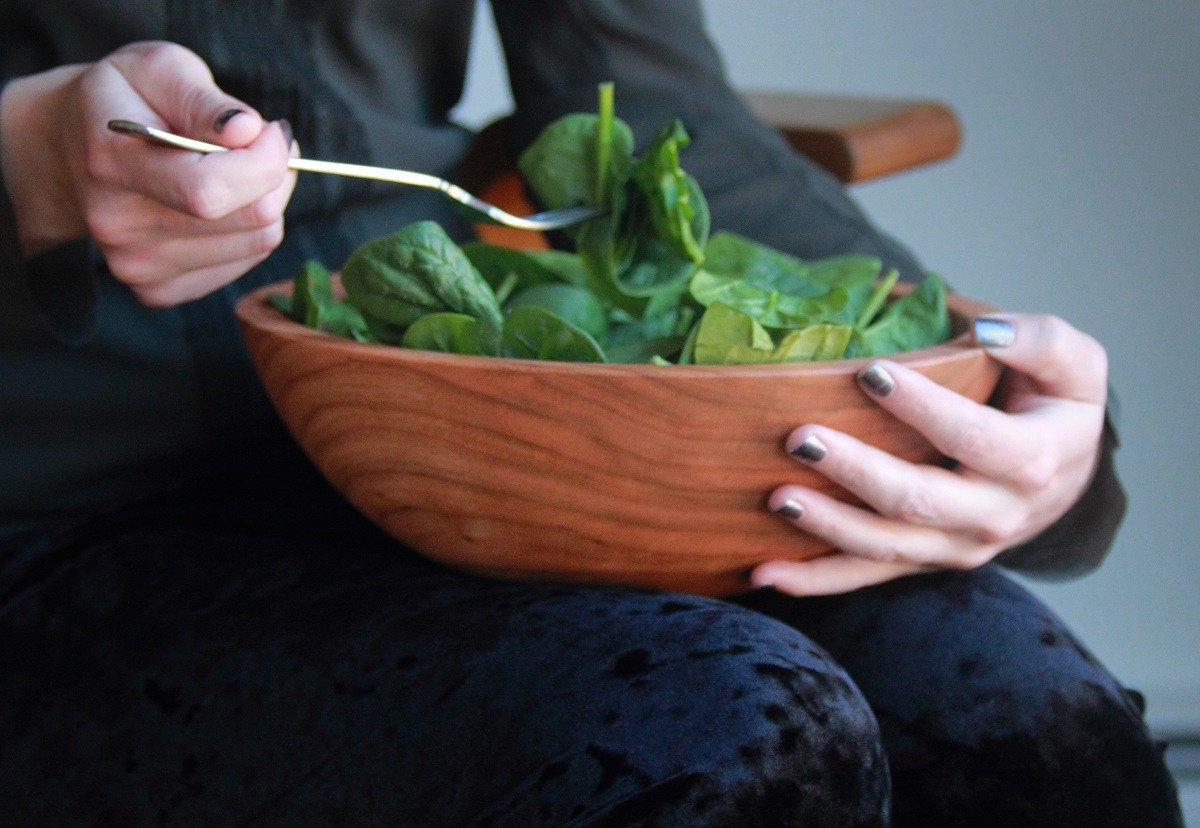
(644, 475)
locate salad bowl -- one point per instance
(645, 475)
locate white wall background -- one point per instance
(1076, 191)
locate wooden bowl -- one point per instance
(652, 476)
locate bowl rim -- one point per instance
(254, 311)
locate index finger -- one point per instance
(178, 86)
(206, 186)
(995, 443)
(209, 186)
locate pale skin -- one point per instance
(175, 225)
(172, 225)
(1020, 466)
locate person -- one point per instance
(195, 628)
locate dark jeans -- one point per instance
(255, 655)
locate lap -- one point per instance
(167, 671)
(200, 663)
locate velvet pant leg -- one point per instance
(991, 710)
(234, 657)
(170, 670)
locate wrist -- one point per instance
(45, 207)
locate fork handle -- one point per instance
(300, 164)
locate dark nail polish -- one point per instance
(811, 450)
(285, 126)
(225, 117)
(993, 333)
(790, 509)
(878, 381)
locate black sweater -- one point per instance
(104, 402)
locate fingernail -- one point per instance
(760, 580)
(225, 117)
(877, 380)
(993, 333)
(812, 449)
(789, 509)
(285, 126)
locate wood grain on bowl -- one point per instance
(652, 476)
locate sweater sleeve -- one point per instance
(47, 298)
(663, 65)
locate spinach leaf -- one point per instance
(575, 305)
(768, 269)
(312, 304)
(816, 342)
(662, 334)
(635, 283)
(664, 228)
(501, 265)
(727, 336)
(536, 333)
(418, 270)
(877, 300)
(916, 320)
(606, 243)
(647, 349)
(568, 267)
(728, 254)
(760, 266)
(853, 273)
(677, 208)
(769, 306)
(573, 159)
(453, 333)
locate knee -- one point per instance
(803, 749)
(1094, 761)
(735, 719)
(1080, 755)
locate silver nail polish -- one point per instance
(877, 380)
(993, 333)
(790, 509)
(812, 449)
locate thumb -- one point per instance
(1059, 359)
(179, 87)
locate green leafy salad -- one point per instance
(645, 282)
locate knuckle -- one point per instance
(268, 238)
(133, 270)
(971, 439)
(158, 295)
(98, 163)
(1037, 474)
(105, 227)
(206, 199)
(972, 559)
(887, 553)
(1097, 357)
(266, 211)
(984, 555)
(1061, 346)
(915, 504)
(165, 56)
(1000, 527)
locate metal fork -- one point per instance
(548, 220)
